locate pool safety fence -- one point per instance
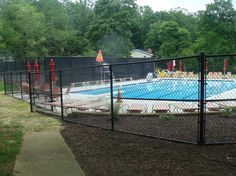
(186, 99)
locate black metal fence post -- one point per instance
(21, 90)
(30, 92)
(4, 83)
(111, 89)
(11, 85)
(62, 108)
(32, 87)
(201, 125)
(51, 91)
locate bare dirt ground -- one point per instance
(105, 153)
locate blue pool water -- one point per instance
(167, 89)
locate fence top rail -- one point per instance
(221, 55)
(15, 71)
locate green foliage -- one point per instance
(32, 29)
(110, 29)
(167, 116)
(24, 30)
(168, 39)
(153, 38)
(217, 28)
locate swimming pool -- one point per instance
(170, 89)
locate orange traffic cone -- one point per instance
(119, 96)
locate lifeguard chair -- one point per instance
(105, 73)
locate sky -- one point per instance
(190, 5)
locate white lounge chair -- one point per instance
(136, 108)
(160, 108)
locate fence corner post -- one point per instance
(12, 94)
(201, 122)
(61, 94)
(30, 92)
(51, 89)
(111, 89)
(21, 89)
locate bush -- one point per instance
(167, 116)
(229, 112)
(116, 109)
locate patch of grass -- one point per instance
(15, 120)
(1, 86)
(10, 142)
(9, 87)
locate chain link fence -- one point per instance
(220, 80)
(187, 99)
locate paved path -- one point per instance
(46, 154)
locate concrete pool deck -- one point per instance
(174, 106)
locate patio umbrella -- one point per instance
(206, 68)
(225, 65)
(99, 57)
(52, 70)
(168, 66)
(28, 70)
(173, 65)
(36, 71)
(180, 66)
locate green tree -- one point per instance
(143, 20)
(153, 38)
(2, 42)
(217, 28)
(56, 23)
(113, 20)
(23, 30)
(80, 14)
(174, 40)
(167, 39)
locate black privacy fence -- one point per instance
(12, 66)
(188, 99)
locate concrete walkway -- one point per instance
(46, 154)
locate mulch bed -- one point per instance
(181, 128)
(106, 153)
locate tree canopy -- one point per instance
(33, 29)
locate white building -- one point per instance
(138, 53)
